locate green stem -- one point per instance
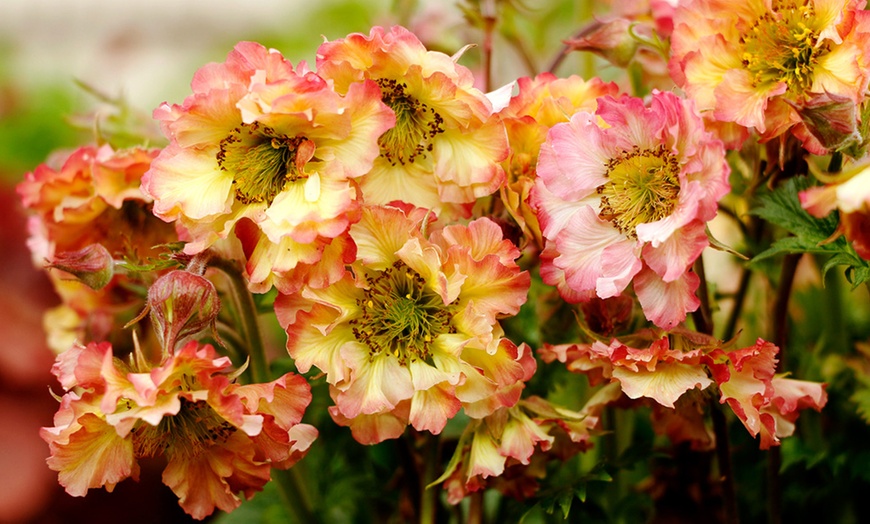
(488, 13)
(702, 316)
(294, 495)
(247, 311)
(429, 495)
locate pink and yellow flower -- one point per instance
(412, 334)
(658, 372)
(446, 146)
(623, 195)
(277, 146)
(91, 196)
(89, 200)
(768, 404)
(754, 62)
(505, 444)
(220, 439)
(541, 103)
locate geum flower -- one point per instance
(446, 145)
(278, 147)
(515, 442)
(758, 62)
(540, 103)
(768, 404)
(412, 334)
(91, 196)
(87, 211)
(623, 195)
(219, 438)
(657, 372)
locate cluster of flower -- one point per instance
(387, 200)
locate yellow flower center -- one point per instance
(781, 46)
(400, 316)
(195, 428)
(416, 125)
(262, 161)
(642, 186)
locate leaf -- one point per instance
(783, 208)
(861, 398)
(811, 235)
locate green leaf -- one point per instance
(783, 208)
(564, 500)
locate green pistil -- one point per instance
(642, 186)
(400, 316)
(781, 47)
(195, 428)
(416, 125)
(262, 162)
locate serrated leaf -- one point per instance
(782, 207)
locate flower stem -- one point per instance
(293, 493)
(249, 328)
(429, 495)
(704, 323)
(488, 13)
(702, 316)
(723, 457)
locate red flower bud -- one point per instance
(181, 304)
(91, 265)
(831, 118)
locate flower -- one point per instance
(540, 103)
(277, 146)
(754, 62)
(507, 449)
(446, 146)
(88, 202)
(623, 195)
(412, 334)
(766, 403)
(658, 372)
(220, 438)
(93, 197)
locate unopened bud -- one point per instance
(91, 265)
(831, 118)
(181, 304)
(610, 39)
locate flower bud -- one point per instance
(832, 119)
(91, 265)
(181, 304)
(610, 39)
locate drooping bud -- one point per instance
(832, 119)
(181, 304)
(610, 39)
(91, 265)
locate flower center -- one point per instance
(781, 47)
(400, 315)
(416, 125)
(642, 187)
(262, 161)
(195, 428)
